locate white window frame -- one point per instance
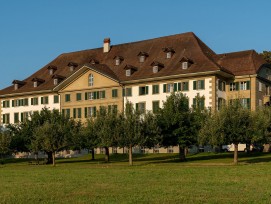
(243, 85)
(90, 80)
(169, 55)
(128, 72)
(260, 86)
(185, 65)
(155, 69)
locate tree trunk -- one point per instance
(106, 154)
(235, 160)
(50, 158)
(53, 158)
(247, 148)
(182, 153)
(131, 155)
(36, 157)
(92, 154)
(185, 151)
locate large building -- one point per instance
(144, 73)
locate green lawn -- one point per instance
(155, 178)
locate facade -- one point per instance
(144, 73)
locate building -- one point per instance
(144, 73)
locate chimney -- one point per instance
(106, 45)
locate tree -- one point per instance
(89, 138)
(175, 122)
(132, 129)
(105, 126)
(267, 56)
(5, 140)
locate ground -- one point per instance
(154, 178)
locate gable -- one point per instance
(82, 82)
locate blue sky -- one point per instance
(32, 32)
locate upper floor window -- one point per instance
(55, 81)
(114, 93)
(184, 65)
(143, 90)
(186, 62)
(52, 69)
(221, 85)
(90, 80)
(129, 69)
(234, 86)
(142, 56)
(155, 89)
(127, 92)
(6, 104)
(6, 118)
(157, 66)
(141, 107)
(35, 84)
(72, 66)
(44, 100)
(78, 96)
(118, 60)
(128, 72)
(169, 52)
(197, 85)
(56, 99)
(168, 88)
(244, 85)
(67, 97)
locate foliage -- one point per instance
(5, 140)
(267, 56)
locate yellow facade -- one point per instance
(76, 96)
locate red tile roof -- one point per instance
(186, 45)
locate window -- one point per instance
(16, 86)
(55, 81)
(244, 85)
(117, 61)
(35, 84)
(260, 86)
(221, 103)
(90, 80)
(197, 85)
(56, 99)
(44, 100)
(155, 69)
(67, 97)
(167, 88)
(66, 112)
(114, 93)
(89, 96)
(127, 92)
(155, 106)
(155, 89)
(24, 116)
(234, 86)
(221, 85)
(6, 104)
(6, 118)
(141, 107)
(183, 86)
(77, 113)
(184, 65)
(128, 72)
(170, 149)
(90, 112)
(143, 90)
(16, 117)
(245, 102)
(78, 96)
(169, 55)
(100, 94)
(35, 101)
(142, 58)
(199, 102)
(114, 150)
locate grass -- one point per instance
(155, 178)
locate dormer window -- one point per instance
(156, 66)
(52, 69)
(57, 79)
(184, 65)
(118, 60)
(129, 70)
(93, 61)
(18, 84)
(186, 62)
(142, 56)
(37, 81)
(72, 66)
(169, 52)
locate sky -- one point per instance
(34, 32)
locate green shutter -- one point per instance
(41, 100)
(79, 113)
(86, 96)
(248, 103)
(103, 94)
(68, 113)
(123, 92)
(202, 82)
(113, 93)
(22, 117)
(248, 85)
(147, 90)
(86, 112)
(12, 102)
(94, 111)
(202, 101)
(26, 101)
(63, 111)
(74, 113)
(46, 100)
(236, 86)
(179, 86)
(175, 86)
(194, 85)
(136, 106)
(164, 88)
(4, 104)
